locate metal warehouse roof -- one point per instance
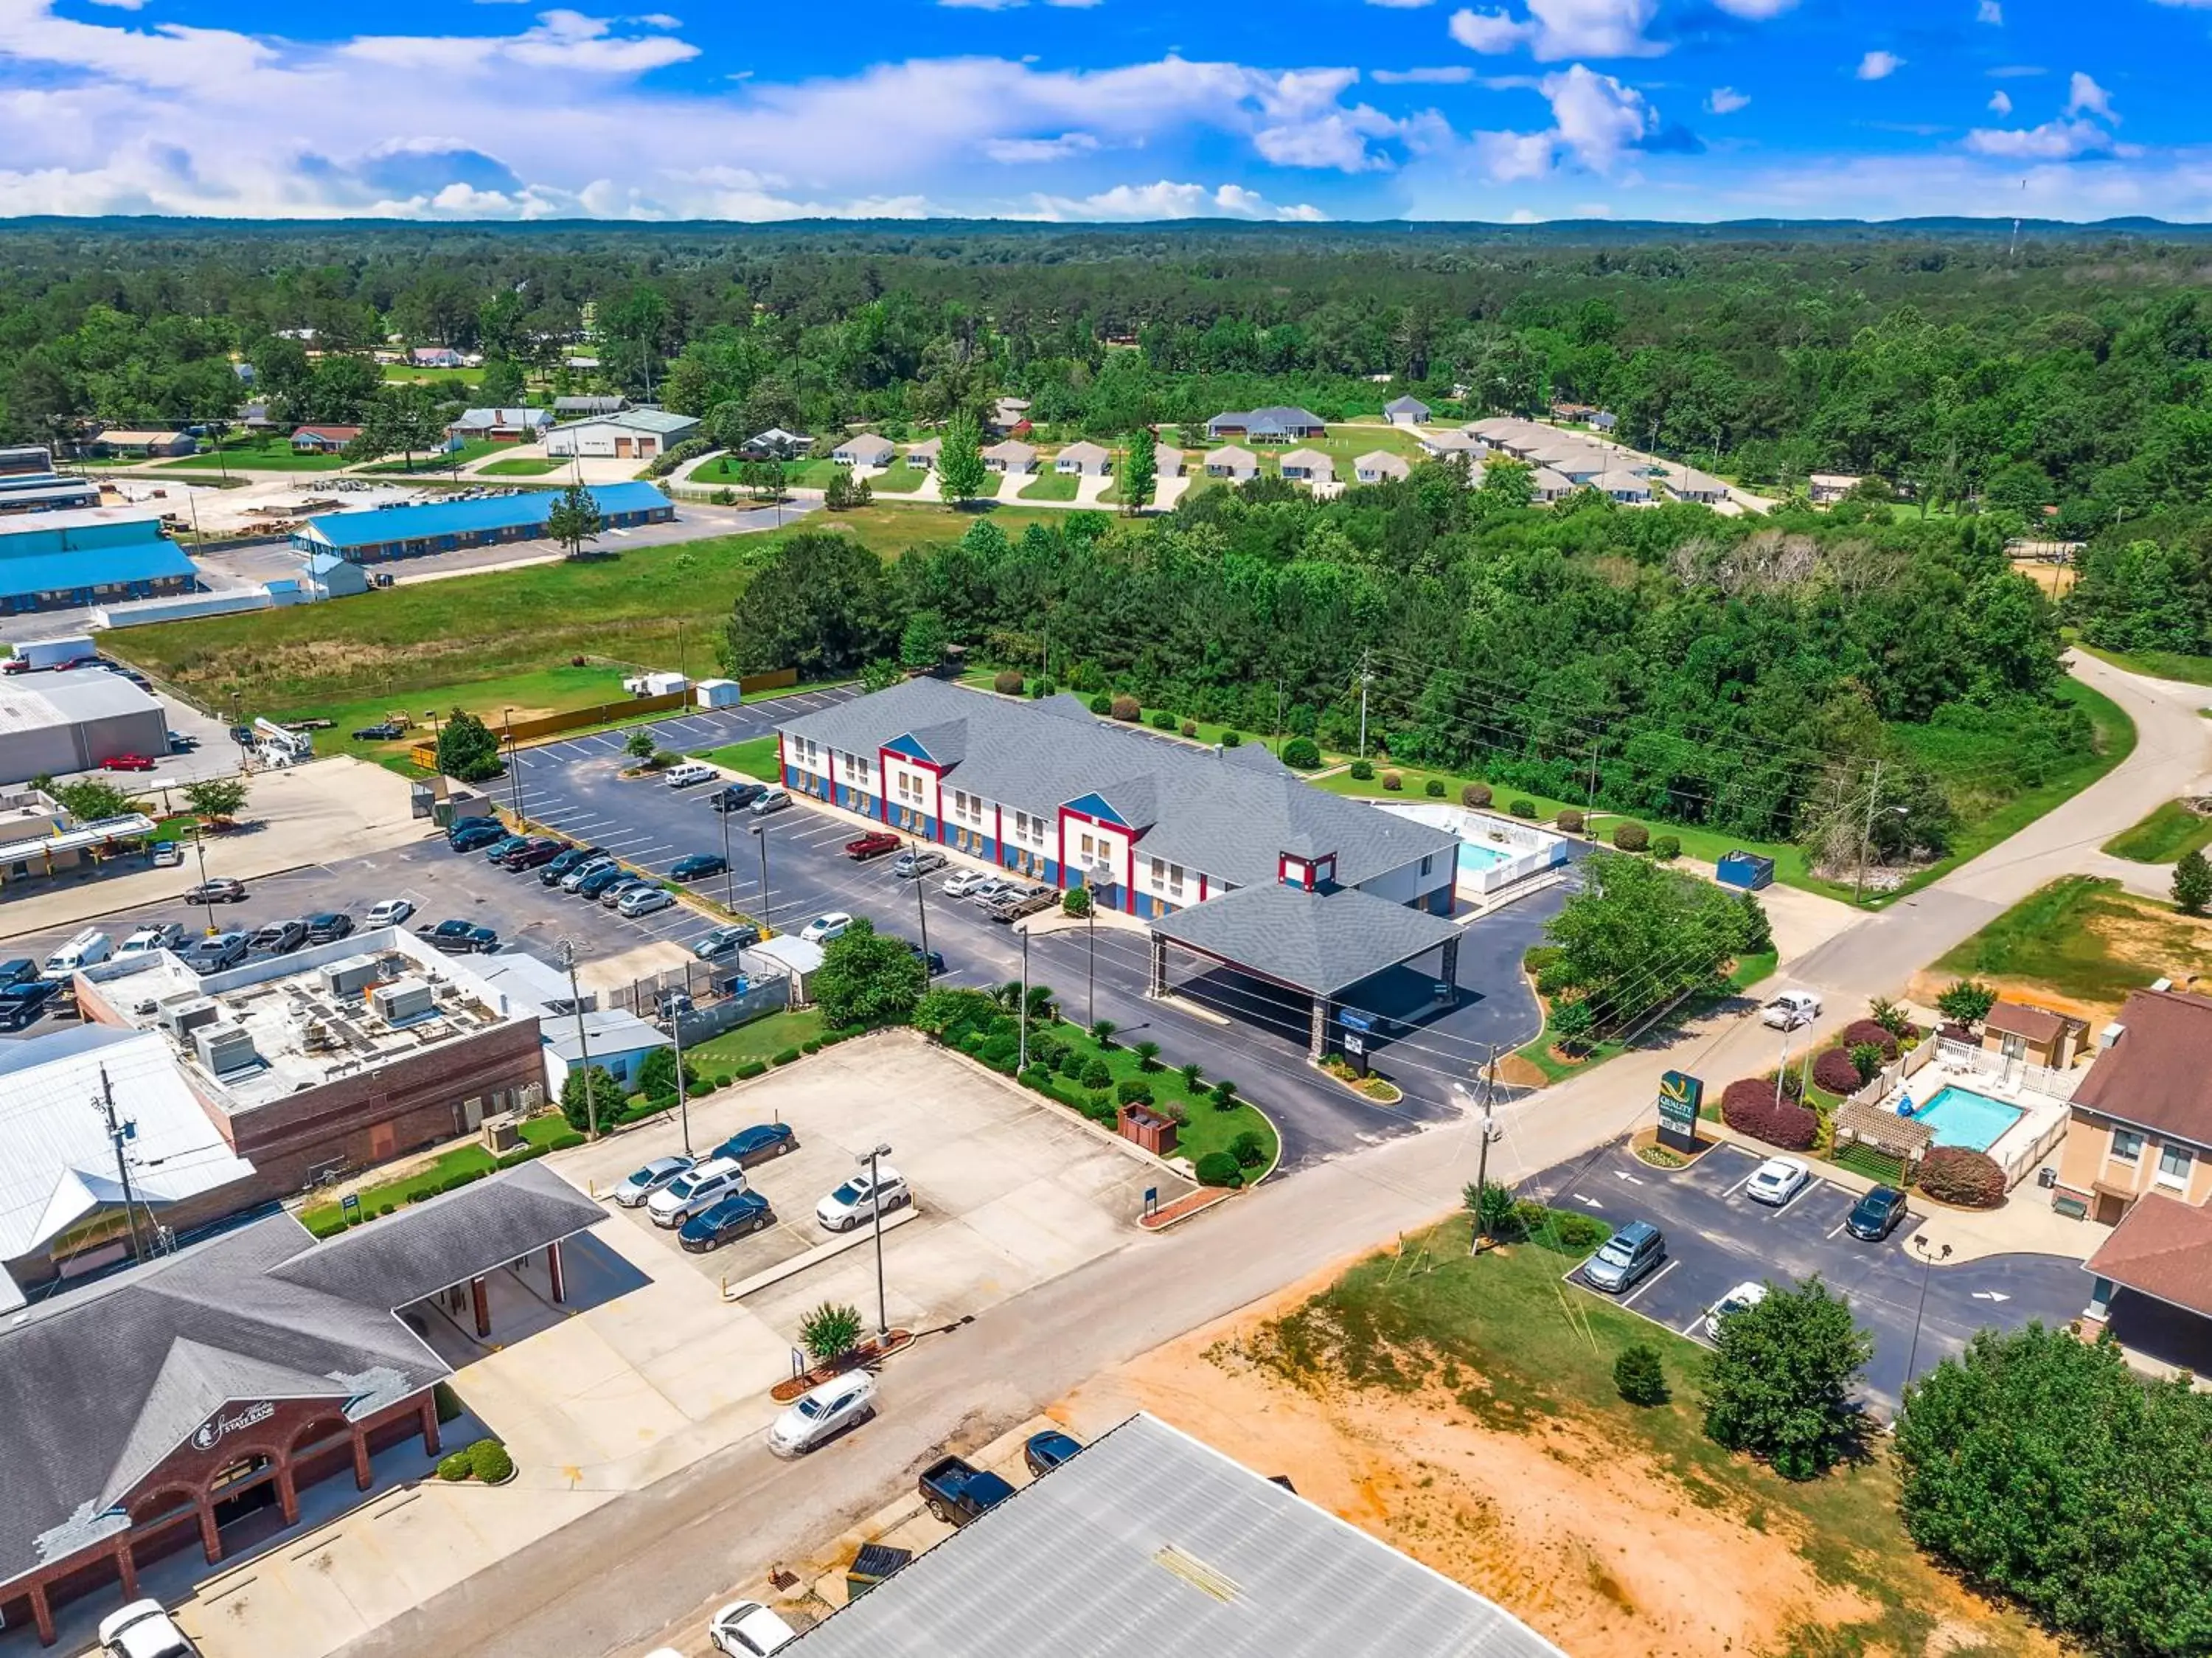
(379, 525)
(1321, 943)
(67, 697)
(1150, 1541)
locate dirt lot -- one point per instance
(1611, 1547)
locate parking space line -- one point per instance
(1628, 1300)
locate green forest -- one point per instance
(2060, 381)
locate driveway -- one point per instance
(1718, 1238)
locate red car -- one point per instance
(873, 845)
(128, 762)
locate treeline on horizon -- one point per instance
(2060, 383)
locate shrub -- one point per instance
(747, 1072)
(447, 1401)
(1098, 1106)
(1249, 1150)
(1101, 1031)
(1667, 848)
(1133, 1091)
(1219, 1168)
(1076, 901)
(1070, 1062)
(1834, 1071)
(725, 497)
(721, 1081)
(1188, 727)
(830, 1330)
(1577, 1231)
(1007, 685)
(1163, 721)
(1222, 1094)
(1866, 1059)
(1631, 837)
(1126, 708)
(1231, 739)
(1148, 1055)
(1434, 788)
(490, 1461)
(1192, 1071)
(1639, 1376)
(1044, 685)
(1474, 793)
(812, 1045)
(1392, 782)
(1302, 753)
(1748, 1107)
(1038, 1076)
(455, 1466)
(789, 1056)
(1867, 1033)
(1956, 1175)
(1101, 704)
(1095, 1074)
(1570, 819)
(1362, 770)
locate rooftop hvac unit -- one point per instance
(183, 1014)
(224, 1049)
(402, 1000)
(350, 978)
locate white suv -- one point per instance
(688, 1194)
(144, 1630)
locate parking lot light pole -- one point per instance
(677, 1009)
(513, 772)
(921, 912)
(729, 875)
(876, 1202)
(207, 898)
(1926, 1267)
(760, 834)
(1023, 1064)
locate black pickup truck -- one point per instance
(957, 1493)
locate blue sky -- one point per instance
(1108, 109)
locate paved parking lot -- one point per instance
(1718, 1238)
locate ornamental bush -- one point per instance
(1873, 1035)
(1434, 788)
(1639, 1376)
(1095, 1074)
(1523, 809)
(1571, 819)
(1474, 793)
(1303, 752)
(788, 1057)
(1219, 1168)
(1956, 1174)
(1133, 1091)
(1631, 837)
(1834, 1071)
(488, 1461)
(1163, 721)
(1249, 1150)
(1126, 707)
(1392, 782)
(1007, 685)
(455, 1466)
(1102, 705)
(1748, 1107)
(1189, 728)
(1667, 848)
(1362, 769)
(1230, 739)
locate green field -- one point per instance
(522, 465)
(1051, 486)
(2163, 836)
(761, 1039)
(474, 449)
(2155, 664)
(270, 453)
(755, 757)
(2086, 939)
(899, 478)
(456, 380)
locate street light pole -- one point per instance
(677, 1010)
(729, 875)
(1927, 1268)
(921, 914)
(760, 834)
(876, 1202)
(1090, 938)
(583, 1046)
(513, 772)
(207, 898)
(1482, 1155)
(1023, 1063)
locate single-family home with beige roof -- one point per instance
(1380, 465)
(1084, 459)
(1011, 456)
(1688, 483)
(922, 456)
(867, 449)
(1233, 462)
(1167, 460)
(1405, 411)
(1309, 466)
(1441, 444)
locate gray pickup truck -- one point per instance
(956, 1492)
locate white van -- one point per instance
(88, 947)
(690, 773)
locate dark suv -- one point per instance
(563, 862)
(329, 925)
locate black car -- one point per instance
(21, 1004)
(1876, 1215)
(726, 941)
(736, 797)
(1045, 1451)
(697, 867)
(460, 937)
(756, 1144)
(935, 958)
(278, 938)
(562, 863)
(217, 892)
(382, 731)
(729, 1218)
(20, 970)
(327, 925)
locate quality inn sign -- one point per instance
(212, 1432)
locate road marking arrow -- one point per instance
(1623, 1174)
(1592, 1202)
(1991, 1295)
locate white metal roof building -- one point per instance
(73, 720)
(625, 435)
(1150, 1541)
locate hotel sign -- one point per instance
(1679, 1097)
(212, 1432)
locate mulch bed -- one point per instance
(868, 1354)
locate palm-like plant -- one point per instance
(1148, 1055)
(1101, 1031)
(831, 1331)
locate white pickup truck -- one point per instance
(1791, 1009)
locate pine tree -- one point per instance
(2192, 883)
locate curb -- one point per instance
(811, 1257)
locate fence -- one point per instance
(721, 999)
(550, 725)
(2012, 1076)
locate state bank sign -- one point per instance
(218, 1426)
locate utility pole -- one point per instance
(119, 1134)
(567, 951)
(876, 1203)
(1364, 676)
(1090, 938)
(1589, 800)
(1021, 1063)
(1482, 1156)
(677, 1009)
(921, 914)
(729, 875)
(1866, 835)
(514, 771)
(760, 834)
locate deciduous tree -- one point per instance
(467, 749)
(1781, 1384)
(960, 471)
(1140, 472)
(819, 604)
(867, 978)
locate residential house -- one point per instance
(1546, 486)
(1309, 466)
(1445, 444)
(500, 425)
(775, 444)
(1010, 417)
(864, 449)
(1167, 460)
(1604, 421)
(1825, 489)
(1011, 456)
(1276, 425)
(1688, 483)
(922, 457)
(322, 440)
(142, 443)
(1233, 462)
(255, 418)
(1084, 459)
(1405, 411)
(1380, 466)
(436, 356)
(577, 407)
(2022, 1034)
(1627, 485)
(626, 435)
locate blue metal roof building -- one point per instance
(383, 533)
(95, 556)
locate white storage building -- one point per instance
(74, 721)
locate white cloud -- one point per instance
(121, 5)
(1554, 29)
(2085, 97)
(1758, 11)
(2052, 141)
(1595, 117)
(1999, 103)
(1451, 75)
(1167, 200)
(1725, 100)
(1017, 152)
(1879, 65)
(1402, 5)
(1988, 12)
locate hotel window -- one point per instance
(2173, 1164)
(1089, 846)
(1426, 864)
(2127, 1145)
(909, 788)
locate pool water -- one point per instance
(1960, 1117)
(1474, 856)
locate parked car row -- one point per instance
(760, 799)
(706, 1201)
(586, 871)
(998, 897)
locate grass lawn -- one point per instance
(2163, 836)
(2086, 940)
(1498, 1338)
(1747, 971)
(272, 454)
(1344, 444)
(548, 691)
(761, 1039)
(755, 757)
(523, 465)
(2155, 664)
(897, 479)
(429, 1178)
(1051, 486)
(407, 373)
(475, 448)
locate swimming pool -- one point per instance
(1961, 1117)
(1475, 857)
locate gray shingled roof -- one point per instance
(1227, 812)
(1150, 1541)
(1321, 943)
(98, 1385)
